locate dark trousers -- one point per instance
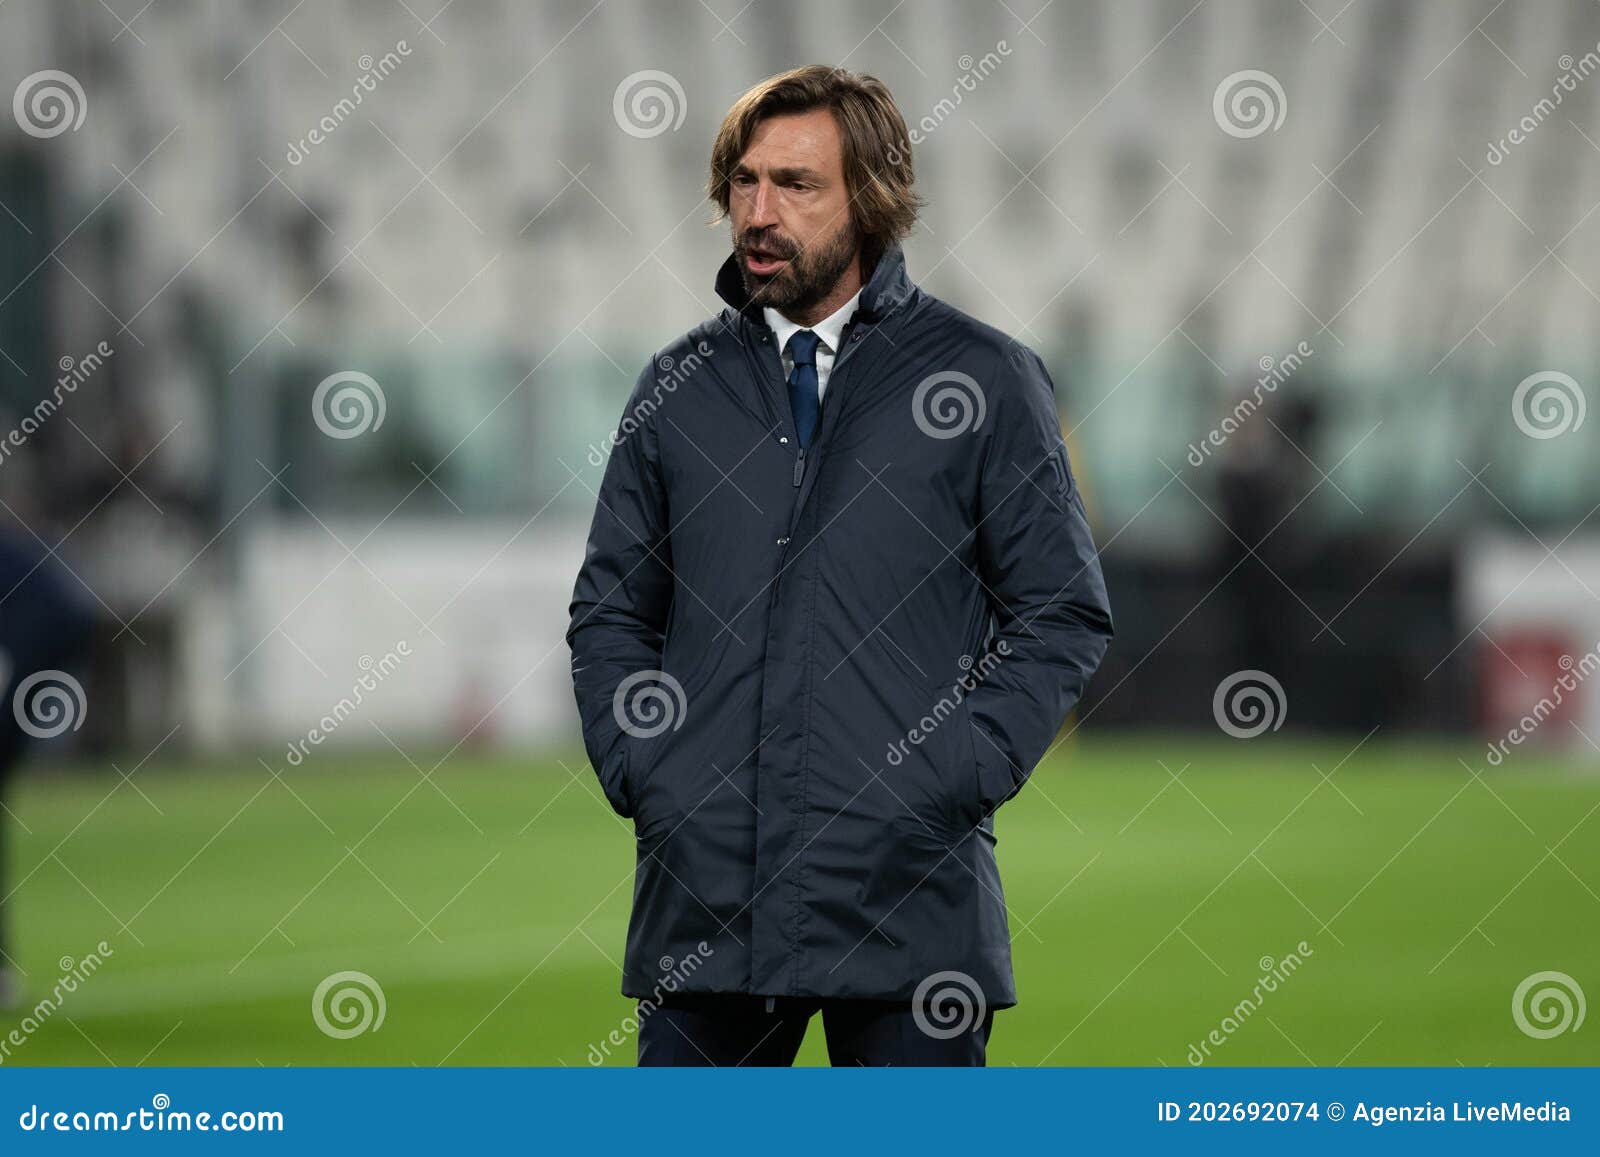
(730, 1031)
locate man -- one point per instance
(839, 596)
(43, 625)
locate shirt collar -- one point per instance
(829, 329)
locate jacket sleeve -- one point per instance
(1038, 562)
(623, 595)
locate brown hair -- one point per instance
(878, 173)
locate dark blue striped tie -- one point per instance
(803, 398)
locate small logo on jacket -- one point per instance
(1062, 470)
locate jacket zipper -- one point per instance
(847, 346)
(783, 386)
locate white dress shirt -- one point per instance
(828, 330)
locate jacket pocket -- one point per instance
(636, 768)
(613, 776)
(991, 769)
(971, 805)
(644, 761)
(949, 761)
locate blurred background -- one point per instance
(315, 320)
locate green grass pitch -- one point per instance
(1148, 881)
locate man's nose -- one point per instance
(763, 209)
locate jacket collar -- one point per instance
(830, 329)
(887, 287)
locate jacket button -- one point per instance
(783, 542)
(783, 441)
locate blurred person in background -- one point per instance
(1262, 481)
(839, 595)
(43, 624)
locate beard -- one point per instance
(810, 274)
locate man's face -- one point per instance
(792, 228)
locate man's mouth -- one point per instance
(762, 263)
